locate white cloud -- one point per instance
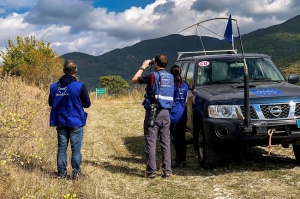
(96, 31)
(13, 26)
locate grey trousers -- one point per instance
(160, 131)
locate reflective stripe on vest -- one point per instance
(163, 97)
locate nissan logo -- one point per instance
(275, 111)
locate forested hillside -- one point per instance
(281, 41)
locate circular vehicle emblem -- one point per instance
(203, 63)
(275, 110)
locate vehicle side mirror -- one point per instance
(293, 79)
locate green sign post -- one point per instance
(100, 91)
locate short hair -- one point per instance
(161, 60)
(70, 67)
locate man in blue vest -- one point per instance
(67, 99)
(158, 102)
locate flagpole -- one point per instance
(232, 43)
(232, 39)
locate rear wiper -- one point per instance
(222, 82)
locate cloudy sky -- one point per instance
(99, 26)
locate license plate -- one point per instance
(298, 123)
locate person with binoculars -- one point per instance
(157, 103)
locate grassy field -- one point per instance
(113, 157)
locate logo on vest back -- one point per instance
(62, 91)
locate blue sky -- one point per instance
(96, 27)
(121, 5)
(111, 5)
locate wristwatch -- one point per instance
(141, 68)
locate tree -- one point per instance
(33, 60)
(114, 84)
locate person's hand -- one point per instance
(146, 63)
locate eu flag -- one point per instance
(228, 32)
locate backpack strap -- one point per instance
(152, 81)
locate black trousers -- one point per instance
(177, 130)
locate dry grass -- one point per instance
(114, 162)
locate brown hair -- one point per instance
(176, 72)
(161, 60)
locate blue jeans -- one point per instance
(75, 136)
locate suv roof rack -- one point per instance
(204, 52)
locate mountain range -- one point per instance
(282, 42)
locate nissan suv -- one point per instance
(216, 103)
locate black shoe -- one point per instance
(166, 175)
(76, 174)
(62, 174)
(150, 175)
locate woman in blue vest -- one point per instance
(178, 115)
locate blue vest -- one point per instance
(67, 109)
(161, 91)
(178, 112)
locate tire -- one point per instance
(208, 157)
(296, 150)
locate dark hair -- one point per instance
(161, 60)
(70, 67)
(176, 72)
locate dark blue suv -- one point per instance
(216, 110)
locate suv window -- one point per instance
(183, 69)
(178, 64)
(190, 74)
(233, 69)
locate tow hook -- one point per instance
(270, 133)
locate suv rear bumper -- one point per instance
(228, 132)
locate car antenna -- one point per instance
(199, 34)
